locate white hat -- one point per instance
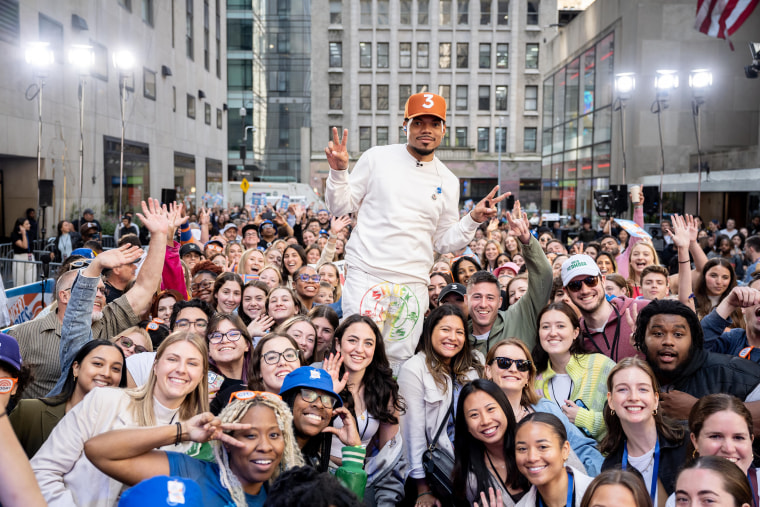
(577, 265)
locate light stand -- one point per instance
(123, 60)
(665, 81)
(82, 57)
(699, 81)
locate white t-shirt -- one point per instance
(645, 465)
(139, 365)
(560, 388)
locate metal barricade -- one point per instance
(26, 272)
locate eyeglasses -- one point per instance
(310, 396)
(206, 285)
(506, 363)
(251, 234)
(249, 395)
(80, 264)
(101, 290)
(232, 335)
(199, 324)
(7, 384)
(312, 278)
(273, 357)
(590, 281)
(128, 343)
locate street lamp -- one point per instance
(123, 61)
(664, 81)
(700, 80)
(625, 83)
(39, 56)
(82, 57)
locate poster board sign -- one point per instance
(633, 229)
(27, 301)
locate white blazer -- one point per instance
(426, 408)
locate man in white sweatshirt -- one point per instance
(408, 207)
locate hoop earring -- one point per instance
(612, 412)
(694, 454)
(654, 412)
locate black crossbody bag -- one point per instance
(437, 464)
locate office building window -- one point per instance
(463, 55)
(402, 135)
(532, 18)
(189, 28)
(336, 54)
(484, 60)
(502, 12)
(461, 98)
(463, 12)
(500, 138)
(365, 138)
(218, 118)
(127, 4)
(191, 106)
(405, 55)
(531, 98)
(423, 12)
(218, 26)
(484, 98)
(336, 12)
(485, 12)
(365, 55)
(147, 11)
(404, 92)
(460, 141)
(382, 136)
(365, 97)
(382, 12)
(446, 141)
(51, 31)
(206, 36)
(382, 97)
(330, 130)
(405, 12)
(421, 88)
(365, 12)
(10, 28)
(483, 139)
(382, 55)
(445, 92)
(444, 55)
(501, 98)
(336, 96)
(529, 139)
(444, 12)
(207, 113)
(423, 55)
(502, 56)
(531, 55)
(149, 84)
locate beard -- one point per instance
(96, 316)
(420, 151)
(665, 377)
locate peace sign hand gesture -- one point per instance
(337, 154)
(486, 208)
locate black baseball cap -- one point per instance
(249, 227)
(190, 248)
(456, 288)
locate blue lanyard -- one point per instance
(569, 502)
(653, 488)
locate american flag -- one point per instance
(721, 18)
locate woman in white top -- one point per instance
(175, 392)
(429, 383)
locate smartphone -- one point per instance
(580, 403)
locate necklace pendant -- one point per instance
(434, 197)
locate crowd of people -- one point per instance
(251, 356)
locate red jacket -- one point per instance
(606, 343)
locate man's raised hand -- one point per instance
(486, 208)
(337, 154)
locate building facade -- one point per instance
(584, 126)
(484, 57)
(175, 125)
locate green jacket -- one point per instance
(520, 319)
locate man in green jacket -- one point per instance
(488, 324)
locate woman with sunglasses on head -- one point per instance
(510, 366)
(227, 293)
(541, 449)
(99, 363)
(567, 375)
(485, 446)
(176, 390)
(282, 304)
(638, 436)
(314, 403)
(429, 383)
(134, 340)
(252, 440)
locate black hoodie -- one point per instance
(710, 372)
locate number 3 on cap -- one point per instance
(428, 101)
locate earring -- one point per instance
(654, 412)
(694, 454)
(612, 412)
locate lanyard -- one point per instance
(611, 349)
(569, 501)
(653, 488)
(752, 477)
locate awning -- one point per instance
(736, 180)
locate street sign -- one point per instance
(244, 185)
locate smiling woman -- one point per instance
(229, 348)
(227, 292)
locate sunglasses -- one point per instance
(232, 335)
(80, 264)
(312, 278)
(128, 343)
(154, 324)
(249, 395)
(589, 281)
(7, 384)
(506, 363)
(310, 396)
(273, 357)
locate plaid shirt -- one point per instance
(40, 340)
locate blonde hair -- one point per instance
(244, 260)
(135, 329)
(141, 404)
(234, 412)
(655, 257)
(273, 268)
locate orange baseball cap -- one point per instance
(424, 103)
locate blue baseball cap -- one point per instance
(313, 378)
(261, 225)
(84, 252)
(9, 351)
(163, 490)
